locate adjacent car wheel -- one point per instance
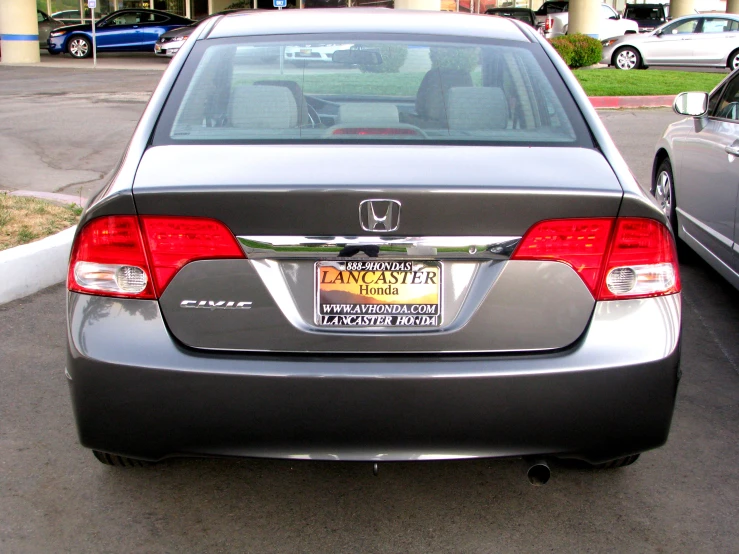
(663, 190)
(733, 60)
(79, 47)
(627, 58)
(118, 461)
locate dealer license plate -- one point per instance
(378, 293)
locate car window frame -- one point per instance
(697, 30)
(718, 95)
(583, 133)
(718, 16)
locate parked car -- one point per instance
(696, 176)
(521, 14)
(121, 31)
(170, 42)
(707, 40)
(46, 24)
(313, 265)
(555, 18)
(69, 17)
(647, 16)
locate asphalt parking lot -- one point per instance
(64, 129)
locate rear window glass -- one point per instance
(644, 13)
(368, 90)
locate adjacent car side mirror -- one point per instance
(694, 104)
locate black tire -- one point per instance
(663, 190)
(732, 62)
(615, 464)
(79, 47)
(627, 58)
(119, 461)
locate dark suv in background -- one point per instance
(647, 16)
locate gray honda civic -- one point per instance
(426, 248)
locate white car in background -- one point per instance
(705, 40)
(555, 18)
(314, 52)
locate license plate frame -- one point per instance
(408, 296)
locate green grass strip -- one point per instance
(612, 82)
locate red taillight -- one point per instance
(108, 259)
(616, 258)
(173, 242)
(641, 262)
(580, 243)
(111, 256)
(549, 24)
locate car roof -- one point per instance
(365, 20)
(713, 15)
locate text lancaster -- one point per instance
(380, 278)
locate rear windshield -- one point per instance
(639, 12)
(335, 89)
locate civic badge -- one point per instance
(379, 215)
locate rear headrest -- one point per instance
(263, 107)
(477, 109)
(367, 113)
(434, 87)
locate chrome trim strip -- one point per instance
(715, 234)
(467, 248)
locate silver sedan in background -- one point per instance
(696, 175)
(705, 40)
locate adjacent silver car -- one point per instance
(696, 175)
(706, 40)
(363, 260)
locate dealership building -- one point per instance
(19, 19)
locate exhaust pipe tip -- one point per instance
(538, 472)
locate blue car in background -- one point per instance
(134, 30)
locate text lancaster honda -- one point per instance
(339, 262)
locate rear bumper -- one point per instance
(137, 393)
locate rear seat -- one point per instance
(263, 107)
(477, 109)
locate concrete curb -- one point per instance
(50, 196)
(631, 101)
(31, 267)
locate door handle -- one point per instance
(135, 26)
(733, 150)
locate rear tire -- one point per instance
(615, 464)
(119, 461)
(627, 58)
(79, 47)
(663, 190)
(732, 61)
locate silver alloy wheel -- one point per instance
(79, 47)
(735, 61)
(626, 59)
(663, 193)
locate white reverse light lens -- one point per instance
(641, 279)
(131, 278)
(110, 277)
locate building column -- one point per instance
(19, 31)
(432, 5)
(732, 6)
(682, 7)
(584, 17)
